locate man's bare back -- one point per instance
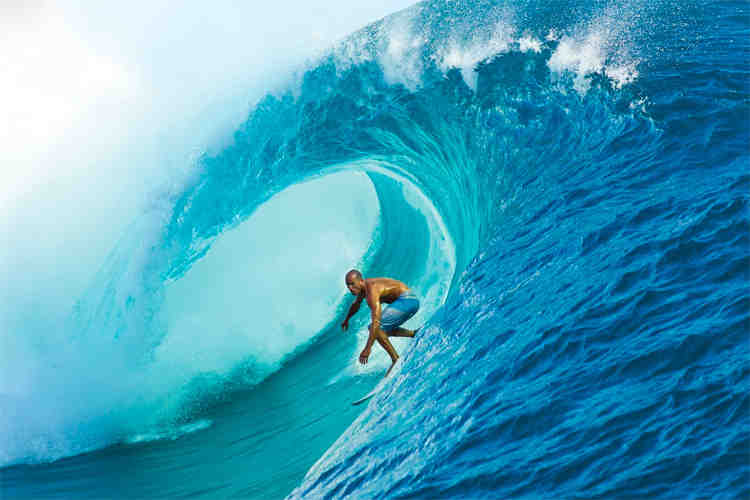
(385, 323)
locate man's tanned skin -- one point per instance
(375, 291)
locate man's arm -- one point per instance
(352, 311)
(373, 300)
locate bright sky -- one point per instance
(82, 78)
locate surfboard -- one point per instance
(381, 384)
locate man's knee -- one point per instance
(381, 332)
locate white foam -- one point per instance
(595, 47)
(171, 434)
(401, 58)
(528, 43)
(623, 74)
(465, 53)
(398, 47)
(599, 46)
(580, 57)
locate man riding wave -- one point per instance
(386, 322)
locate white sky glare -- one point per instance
(77, 68)
(101, 103)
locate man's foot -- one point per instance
(393, 363)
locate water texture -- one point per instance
(567, 187)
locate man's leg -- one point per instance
(401, 332)
(394, 316)
(385, 343)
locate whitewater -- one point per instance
(565, 185)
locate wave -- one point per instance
(535, 173)
(391, 101)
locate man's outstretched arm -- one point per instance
(352, 311)
(374, 329)
(376, 333)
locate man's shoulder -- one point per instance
(371, 283)
(373, 286)
(380, 281)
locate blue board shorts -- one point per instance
(400, 310)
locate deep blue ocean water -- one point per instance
(567, 187)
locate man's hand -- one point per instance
(345, 325)
(364, 355)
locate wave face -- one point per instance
(567, 188)
(596, 184)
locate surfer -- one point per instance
(403, 305)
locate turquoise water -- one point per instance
(565, 186)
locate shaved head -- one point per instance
(354, 282)
(352, 275)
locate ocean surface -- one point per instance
(566, 186)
